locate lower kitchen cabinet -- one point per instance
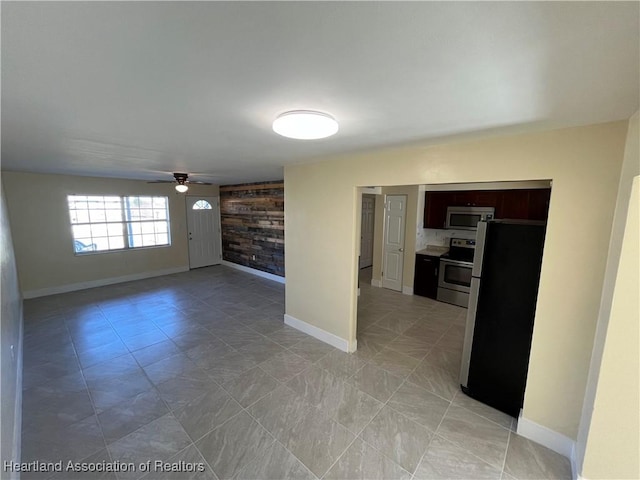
(425, 281)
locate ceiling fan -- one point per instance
(181, 181)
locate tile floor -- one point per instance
(199, 368)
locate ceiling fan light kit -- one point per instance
(305, 125)
(181, 181)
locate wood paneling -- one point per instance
(252, 217)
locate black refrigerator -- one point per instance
(502, 306)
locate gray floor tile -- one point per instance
(315, 425)
(355, 409)
(398, 438)
(443, 383)
(229, 367)
(234, 445)
(446, 359)
(261, 350)
(67, 443)
(410, 346)
(250, 386)
(419, 405)
(191, 463)
(311, 349)
(61, 402)
(287, 336)
(239, 337)
(156, 352)
(340, 364)
(114, 390)
(77, 473)
(317, 441)
(276, 462)
(158, 440)
(362, 462)
(284, 366)
(133, 413)
(280, 410)
(207, 355)
(502, 419)
(179, 391)
(178, 365)
(376, 382)
(145, 339)
(528, 460)
(207, 412)
(394, 362)
(448, 461)
(476, 434)
(397, 322)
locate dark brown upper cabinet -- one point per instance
(528, 204)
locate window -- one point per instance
(102, 223)
(202, 205)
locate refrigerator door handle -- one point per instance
(469, 329)
(478, 255)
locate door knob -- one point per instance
(401, 249)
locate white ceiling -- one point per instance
(136, 89)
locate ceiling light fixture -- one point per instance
(181, 188)
(305, 125)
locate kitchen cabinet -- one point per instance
(435, 211)
(425, 282)
(527, 204)
(530, 204)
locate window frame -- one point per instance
(125, 222)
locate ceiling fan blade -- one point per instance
(198, 183)
(162, 181)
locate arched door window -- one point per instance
(202, 205)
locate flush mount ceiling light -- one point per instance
(305, 125)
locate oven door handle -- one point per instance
(458, 263)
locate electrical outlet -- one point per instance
(253, 257)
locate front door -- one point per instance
(203, 224)
(395, 212)
(366, 231)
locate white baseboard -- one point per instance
(259, 273)
(546, 437)
(320, 334)
(376, 283)
(407, 290)
(72, 287)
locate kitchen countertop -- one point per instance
(433, 251)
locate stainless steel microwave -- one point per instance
(467, 218)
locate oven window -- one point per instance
(457, 275)
(464, 219)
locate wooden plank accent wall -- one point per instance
(252, 217)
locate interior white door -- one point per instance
(203, 224)
(366, 231)
(395, 212)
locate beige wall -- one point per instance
(10, 346)
(584, 164)
(411, 191)
(42, 234)
(608, 442)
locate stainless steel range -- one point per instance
(454, 279)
